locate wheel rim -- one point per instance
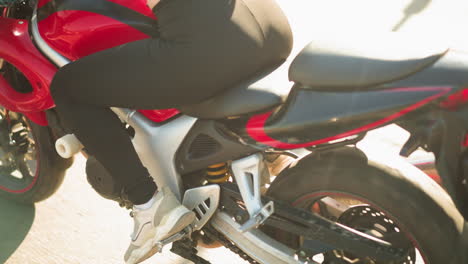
(18, 155)
(361, 215)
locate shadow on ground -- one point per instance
(415, 7)
(15, 222)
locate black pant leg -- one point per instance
(206, 46)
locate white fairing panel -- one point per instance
(157, 145)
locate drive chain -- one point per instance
(215, 235)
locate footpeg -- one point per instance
(258, 219)
(178, 236)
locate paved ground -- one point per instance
(77, 226)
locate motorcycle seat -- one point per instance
(264, 91)
(338, 65)
(361, 63)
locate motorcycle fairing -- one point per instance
(79, 28)
(313, 117)
(138, 6)
(159, 116)
(18, 50)
(41, 3)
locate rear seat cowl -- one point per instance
(363, 62)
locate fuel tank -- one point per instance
(77, 28)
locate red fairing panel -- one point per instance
(18, 49)
(41, 3)
(78, 33)
(255, 127)
(159, 115)
(456, 100)
(74, 33)
(138, 5)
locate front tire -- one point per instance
(423, 211)
(30, 168)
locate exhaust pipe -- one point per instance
(67, 146)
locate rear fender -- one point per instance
(444, 133)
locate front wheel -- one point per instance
(30, 168)
(399, 203)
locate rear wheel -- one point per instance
(30, 169)
(401, 206)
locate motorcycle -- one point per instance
(270, 167)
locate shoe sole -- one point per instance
(180, 218)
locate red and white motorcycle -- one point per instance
(270, 166)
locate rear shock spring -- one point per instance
(217, 173)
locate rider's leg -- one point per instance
(205, 46)
(194, 59)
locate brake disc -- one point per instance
(375, 223)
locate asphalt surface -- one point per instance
(77, 226)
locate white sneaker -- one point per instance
(164, 218)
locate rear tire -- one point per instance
(49, 170)
(420, 206)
